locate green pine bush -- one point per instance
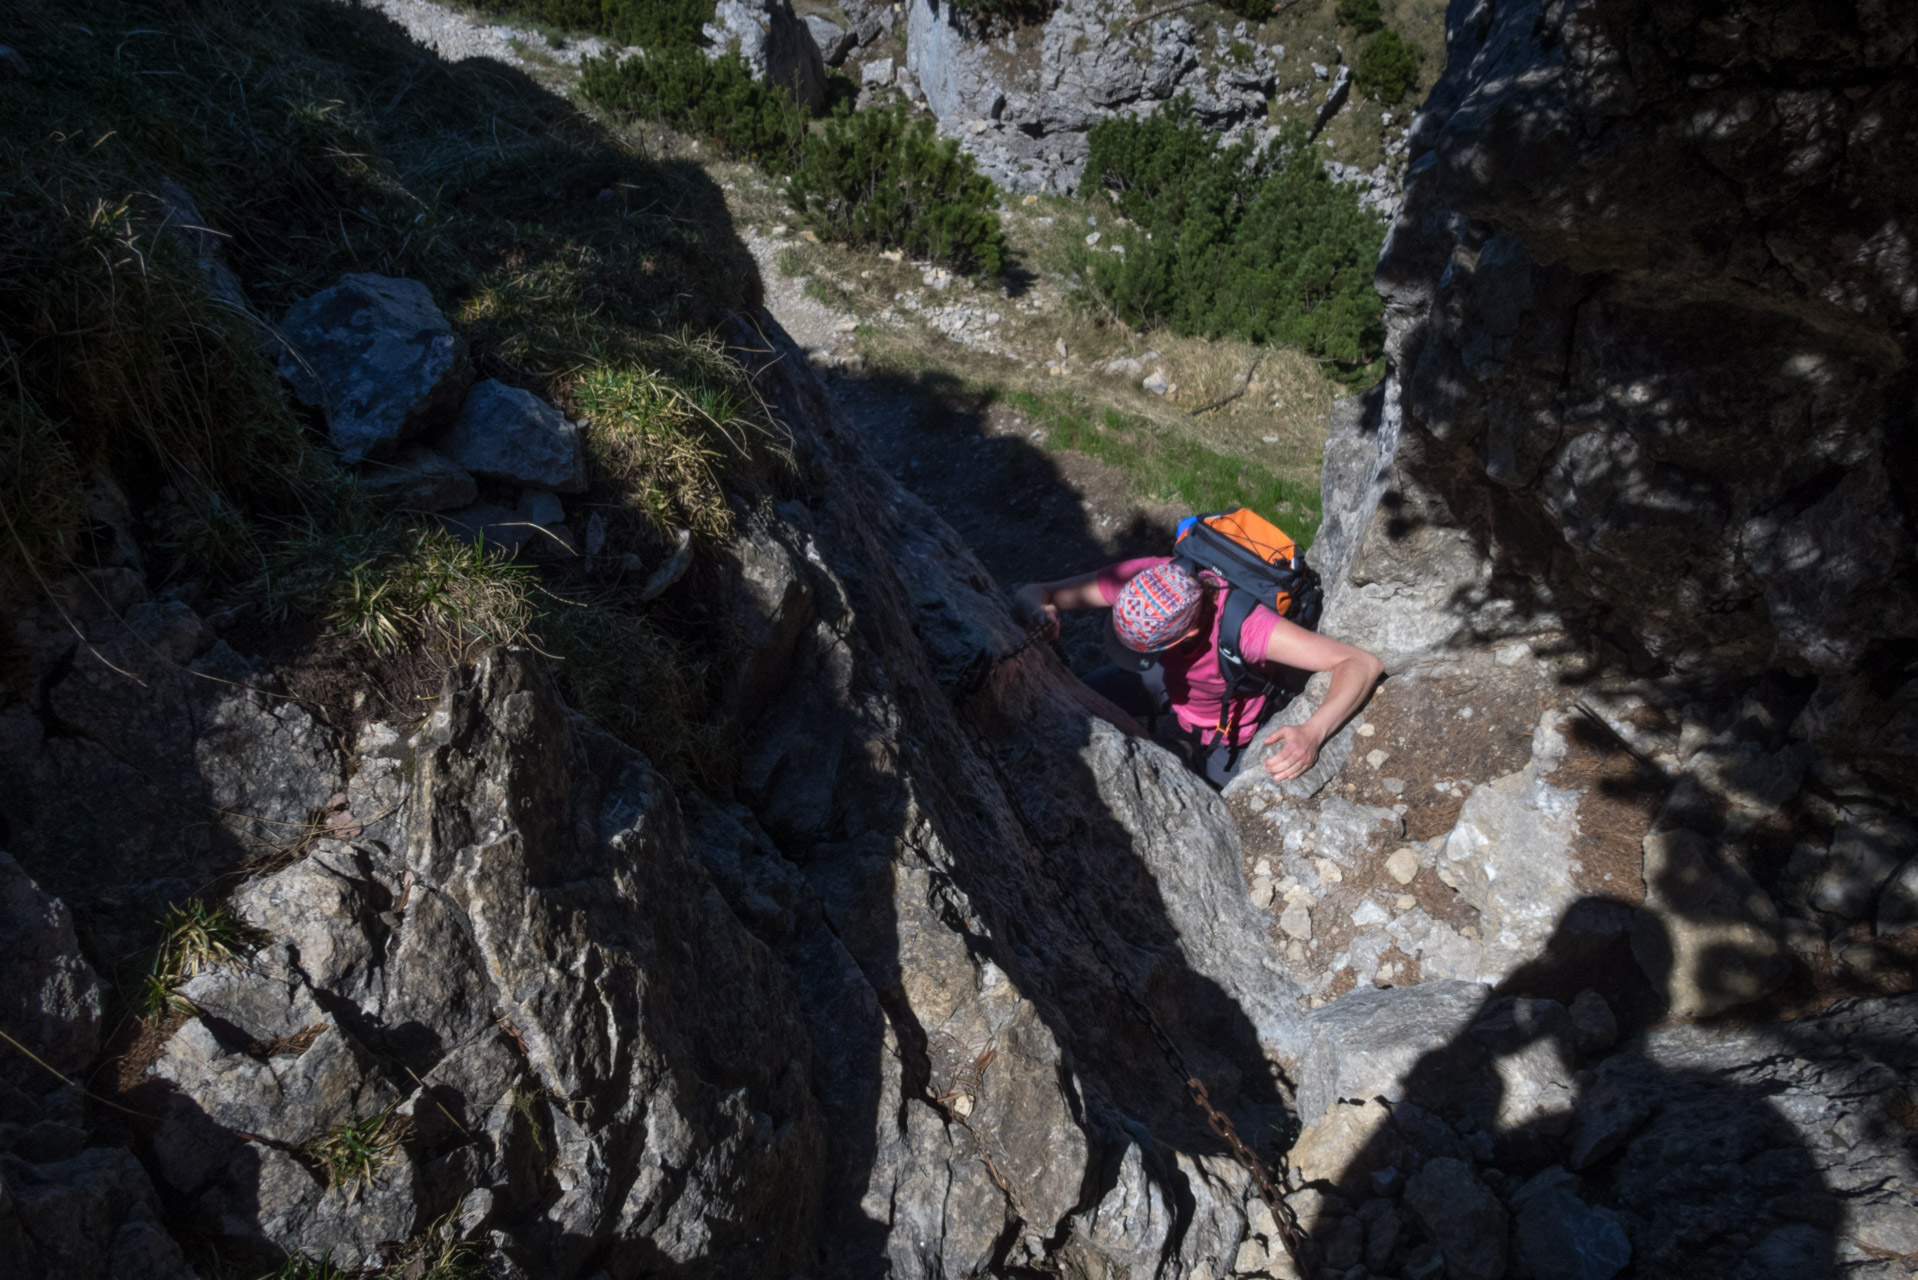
(1250, 10)
(1261, 246)
(1388, 67)
(716, 98)
(650, 24)
(881, 177)
(1363, 16)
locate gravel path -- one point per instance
(457, 37)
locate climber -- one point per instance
(1163, 639)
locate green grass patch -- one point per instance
(354, 1152)
(1172, 468)
(198, 936)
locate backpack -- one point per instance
(1262, 565)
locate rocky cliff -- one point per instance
(1584, 952)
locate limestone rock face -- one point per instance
(1035, 93)
(777, 45)
(527, 936)
(1633, 304)
(374, 354)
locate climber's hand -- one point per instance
(1033, 609)
(1298, 751)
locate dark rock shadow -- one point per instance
(989, 806)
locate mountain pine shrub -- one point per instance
(1363, 16)
(717, 98)
(1261, 246)
(884, 178)
(1388, 67)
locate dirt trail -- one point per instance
(1028, 513)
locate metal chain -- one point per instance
(1270, 1190)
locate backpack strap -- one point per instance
(1245, 677)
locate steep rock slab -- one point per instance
(374, 354)
(989, 864)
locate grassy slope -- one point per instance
(318, 139)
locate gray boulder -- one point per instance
(506, 433)
(93, 1216)
(377, 358)
(1898, 903)
(779, 48)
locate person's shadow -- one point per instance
(1673, 1149)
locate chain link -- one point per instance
(1270, 1189)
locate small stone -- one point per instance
(1059, 345)
(781, 229)
(1403, 865)
(1394, 785)
(1404, 902)
(876, 74)
(1594, 1027)
(1296, 920)
(1376, 757)
(1155, 383)
(1365, 730)
(1275, 440)
(1369, 913)
(1295, 952)
(1262, 892)
(541, 506)
(846, 326)
(1328, 870)
(1382, 1222)
(938, 278)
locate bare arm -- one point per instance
(1038, 602)
(1354, 673)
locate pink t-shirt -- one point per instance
(1192, 675)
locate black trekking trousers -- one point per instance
(1142, 695)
